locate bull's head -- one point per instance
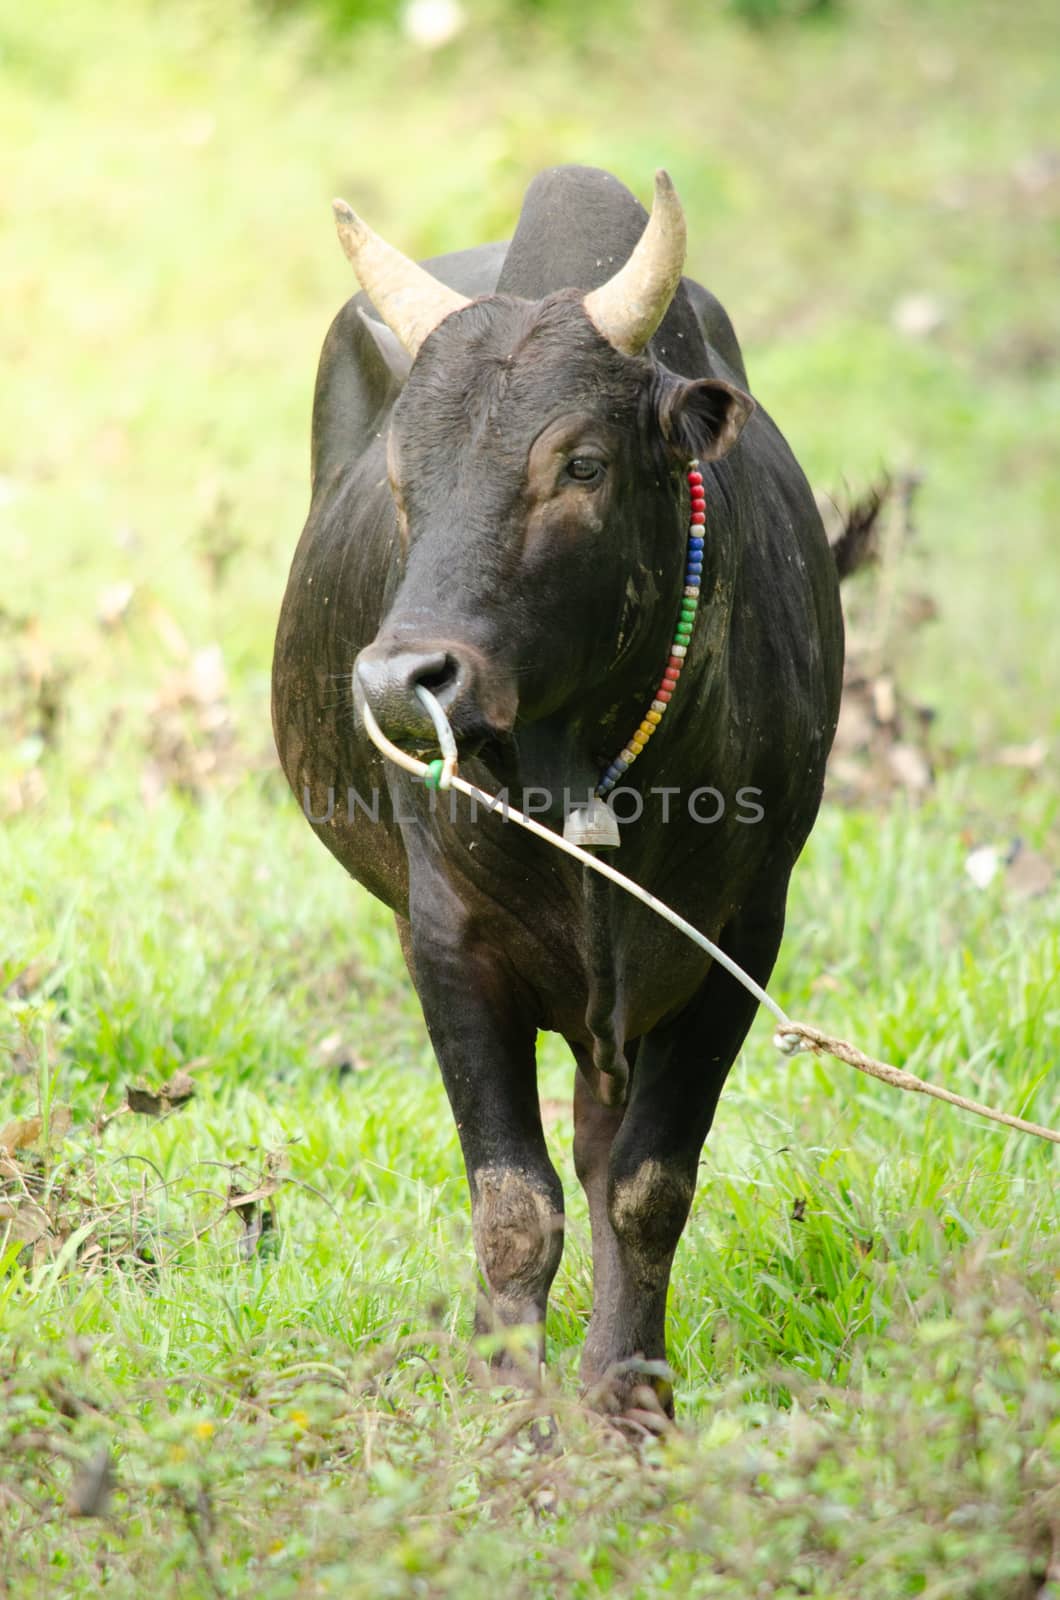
(536, 458)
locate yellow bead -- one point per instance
(654, 716)
(636, 746)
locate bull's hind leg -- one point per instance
(639, 1168)
(484, 1038)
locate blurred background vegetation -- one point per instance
(873, 191)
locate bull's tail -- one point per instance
(855, 534)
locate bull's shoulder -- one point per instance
(362, 367)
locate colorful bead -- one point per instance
(682, 637)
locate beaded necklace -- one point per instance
(681, 641)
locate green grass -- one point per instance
(864, 1319)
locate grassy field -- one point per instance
(270, 1398)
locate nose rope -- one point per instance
(442, 772)
(790, 1038)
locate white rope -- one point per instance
(511, 814)
(790, 1037)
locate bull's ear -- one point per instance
(703, 418)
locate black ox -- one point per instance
(499, 512)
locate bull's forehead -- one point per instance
(493, 375)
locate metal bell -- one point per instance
(592, 827)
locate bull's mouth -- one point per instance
(485, 743)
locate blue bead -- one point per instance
(695, 544)
(695, 560)
(692, 573)
(620, 766)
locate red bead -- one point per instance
(698, 497)
(664, 695)
(699, 519)
(695, 477)
(674, 665)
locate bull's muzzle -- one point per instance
(388, 675)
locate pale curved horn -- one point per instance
(408, 299)
(629, 307)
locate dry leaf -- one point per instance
(884, 700)
(910, 766)
(26, 1131)
(1029, 757)
(178, 1088)
(144, 1101)
(24, 1220)
(1028, 873)
(27, 981)
(254, 1206)
(177, 1091)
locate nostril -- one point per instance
(439, 675)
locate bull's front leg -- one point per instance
(484, 1036)
(639, 1167)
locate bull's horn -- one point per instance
(629, 307)
(408, 299)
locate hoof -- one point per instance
(637, 1396)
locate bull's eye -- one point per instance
(584, 469)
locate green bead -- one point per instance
(688, 609)
(433, 776)
(684, 631)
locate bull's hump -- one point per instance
(577, 227)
